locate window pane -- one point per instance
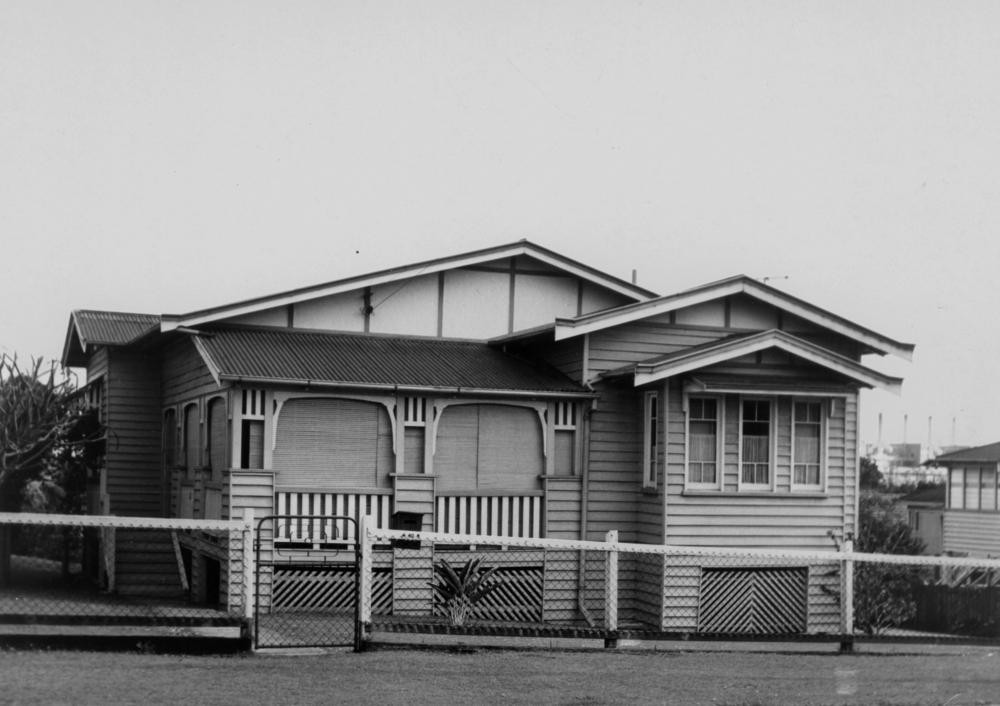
(957, 489)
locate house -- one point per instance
(510, 391)
(972, 515)
(924, 509)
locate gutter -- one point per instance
(405, 389)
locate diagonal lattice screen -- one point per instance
(761, 601)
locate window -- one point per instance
(252, 429)
(957, 488)
(755, 443)
(565, 439)
(651, 404)
(971, 489)
(989, 491)
(807, 444)
(703, 441)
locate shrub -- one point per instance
(459, 591)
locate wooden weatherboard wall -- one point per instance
(133, 473)
(971, 531)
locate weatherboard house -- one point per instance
(510, 391)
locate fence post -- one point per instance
(365, 575)
(847, 597)
(611, 590)
(249, 597)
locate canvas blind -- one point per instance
(489, 447)
(191, 438)
(217, 437)
(333, 443)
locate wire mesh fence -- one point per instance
(427, 582)
(65, 569)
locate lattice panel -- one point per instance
(758, 601)
(325, 587)
(518, 597)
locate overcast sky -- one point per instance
(167, 156)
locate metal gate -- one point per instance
(306, 582)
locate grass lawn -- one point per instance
(948, 675)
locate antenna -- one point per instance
(770, 277)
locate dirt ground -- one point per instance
(950, 676)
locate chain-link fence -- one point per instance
(95, 570)
(426, 582)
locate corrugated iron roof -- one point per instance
(314, 357)
(990, 453)
(113, 327)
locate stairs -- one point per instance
(146, 564)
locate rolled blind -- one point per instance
(488, 447)
(217, 437)
(333, 443)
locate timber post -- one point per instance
(365, 574)
(847, 597)
(611, 590)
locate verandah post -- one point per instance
(847, 597)
(611, 590)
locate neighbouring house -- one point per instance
(924, 510)
(972, 514)
(510, 391)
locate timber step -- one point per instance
(146, 564)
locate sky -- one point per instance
(165, 157)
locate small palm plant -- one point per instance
(459, 591)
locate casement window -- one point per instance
(192, 438)
(252, 429)
(973, 488)
(650, 441)
(414, 433)
(755, 443)
(565, 438)
(807, 444)
(704, 438)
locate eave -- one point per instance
(570, 327)
(728, 349)
(523, 247)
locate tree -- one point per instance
(883, 593)
(871, 477)
(35, 414)
(47, 441)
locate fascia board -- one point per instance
(830, 321)
(568, 328)
(71, 330)
(838, 364)
(407, 389)
(433, 267)
(206, 357)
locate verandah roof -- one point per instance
(322, 359)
